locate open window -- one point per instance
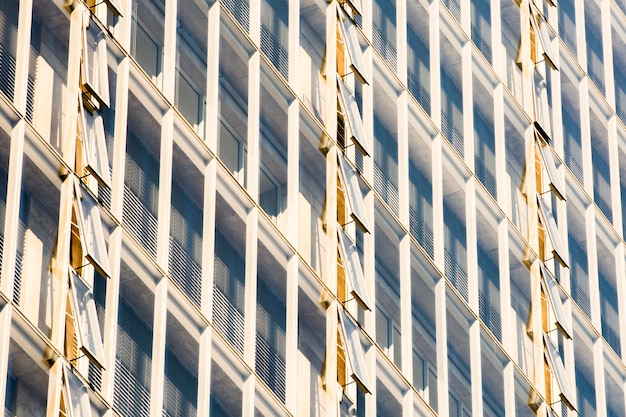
(94, 68)
(115, 6)
(350, 39)
(94, 151)
(91, 232)
(353, 350)
(76, 396)
(350, 110)
(553, 358)
(548, 222)
(548, 162)
(86, 325)
(541, 108)
(352, 268)
(540, 31)
(552, 292)
(352, 192)
(355, 6)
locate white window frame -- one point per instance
(541, 108)
(548, 162)
(115, 6)
(94, 66)
(552, 291)
(94, 146)
(539, 25)
(352, 192)
(352, 268)
(350, 110)
(86, 319)
(547, 219)
(353, 350)
(355, 5)
(350, 39)
(91, 231)
(76, 394)
(551, 354)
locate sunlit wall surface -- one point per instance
(390, 208)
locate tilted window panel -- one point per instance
(352, 191)
(355, 5)
(350, 109)
(76, 396)
(95, 155)
(556, 364)
(115, 6)
(541, 108)
(86, 319)
(540, 27)
(552, 291)
(353, 349)
(547, 219)
(352, 268)
(548, 162)
(350, 39)
(94, 68)
(91, 231)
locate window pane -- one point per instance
(352, 191)
(86, 319)
(77, 402)
(547, 219)
(556, 363)
(354, 349)
(551, 290)
(352, 267)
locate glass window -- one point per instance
(271, 318)
(311, 363)
(115, 6)
(94, 68)
(547, 219)
(273, 147)
(552, 291)
(94, 150)
(484, 137)
(556, 364)
(9, 16)
(275, 33)
(384, 31)
(86, 319)
(481, 26)
(46, 104)
(141, 182)
(548, 162)
(451, 95)
(233, 99)
(540, 28)
(229, 273)
(352, 268)
(542, 110)
(350, 39)
(352, 192)
(180, 385)
(353, 349)
(77, 402)
(186, 223)
(133, 360)
(350, 110)
(91, 231)
(191, 63)
(147, 36)
(418, 54)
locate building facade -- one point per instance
(312, 208)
